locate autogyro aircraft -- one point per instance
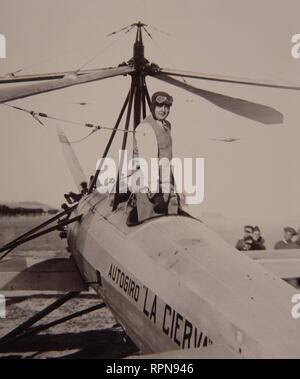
(174, 285)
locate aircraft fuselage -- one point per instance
(174, 284)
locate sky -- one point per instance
(256, 177)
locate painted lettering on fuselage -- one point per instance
(127, 284)
(183, 332)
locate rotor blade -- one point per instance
(253, 111)
(224, 79)
(71, 159)
(12, 78)
(18, 92)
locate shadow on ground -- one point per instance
(94, 344)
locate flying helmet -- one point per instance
(160, 98)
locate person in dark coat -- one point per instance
(248, 230)
(247, 244)
(298, 239)
(258, 241)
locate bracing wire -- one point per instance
(38, 115)
(85, 137)
(159, 30)
(147, 32)
(125, 29)
(128, 29)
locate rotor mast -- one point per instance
(137, 93)
(138, 48)
(139, 62)
(137, 99)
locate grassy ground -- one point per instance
(12, 227)
(94, 335)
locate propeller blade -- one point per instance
(244, 108)
(71, 159)
(18, 92)
(224, 79)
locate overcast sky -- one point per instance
(257, 176)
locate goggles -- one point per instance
(167, 100)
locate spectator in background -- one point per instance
(248, 244)
(258, 241)
(287, 242)
(298, 238)
(248, 230)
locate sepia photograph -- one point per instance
(149, 181)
